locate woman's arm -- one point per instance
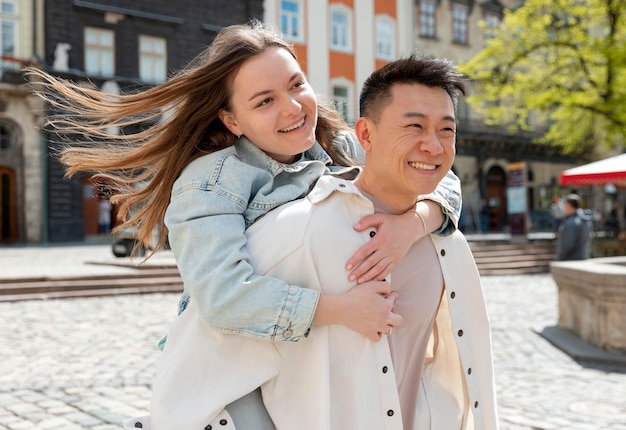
(207, 236)
(437, 213)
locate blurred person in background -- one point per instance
(574, 234)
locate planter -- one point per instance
(592, 300)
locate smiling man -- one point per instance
(442, 352)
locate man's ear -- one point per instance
(363, 131)
(229, 120)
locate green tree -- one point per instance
(563, 61)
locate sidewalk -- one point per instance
(65, 364)
(70, 260)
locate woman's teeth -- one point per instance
(293, 127)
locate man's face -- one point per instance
(411, 147)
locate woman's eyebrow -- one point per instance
(265, 92)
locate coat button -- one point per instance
(452, 295)
(287, 333)
(476, 404)
(385, 369)
(460, 333)
(372, 233)
(469, 371)
(390, 413)
(209, 427)
(443, 252)
(342, 185)
(138, 425)
(223, 422)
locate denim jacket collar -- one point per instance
(253, 155)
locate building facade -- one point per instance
(22, 152)
(114, 45)
(340, 42)
(110, 44)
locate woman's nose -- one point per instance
(291, 106)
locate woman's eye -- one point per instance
(264, 102)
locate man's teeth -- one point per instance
(422, 166)
(293, 127)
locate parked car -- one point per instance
(125, 240)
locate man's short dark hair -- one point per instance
(425, 70)
(573, 200)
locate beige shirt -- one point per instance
(419, 282)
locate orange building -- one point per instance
(340, 42)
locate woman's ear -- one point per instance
(229, 120)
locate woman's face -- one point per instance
(273, 105)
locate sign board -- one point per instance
(517, 204)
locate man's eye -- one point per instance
(448, 131)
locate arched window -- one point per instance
(7, 138)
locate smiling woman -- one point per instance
(273, 105)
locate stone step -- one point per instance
(144, 280)
(513, 258)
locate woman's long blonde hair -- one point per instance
(139, 169)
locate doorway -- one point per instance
(495, 194)
(8, 205)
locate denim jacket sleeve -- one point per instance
(207, 235)
(448, 196)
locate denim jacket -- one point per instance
(216, 198)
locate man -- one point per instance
(574, 239)
(432, 372)
(441, 354)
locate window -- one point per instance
(8, 28)
(291, 20)
(6, 138)
(99, 52)
(492, 22)
(427, 18)
(459, 23)
(385, 38)
(340, 28)
(152, 59)
(342, 98)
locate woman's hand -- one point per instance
(395, 234)
(365, 308)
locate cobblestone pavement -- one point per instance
(88, 363)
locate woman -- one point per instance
(243, 133)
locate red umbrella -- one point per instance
(608, 171)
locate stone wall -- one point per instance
(592, 300)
